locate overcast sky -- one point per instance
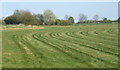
(103, 9)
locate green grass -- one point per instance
(82, 46)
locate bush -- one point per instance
(119, 20)
(11, 20)
(58, 22)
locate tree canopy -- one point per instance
(49, 18)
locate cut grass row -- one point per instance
(87, 46)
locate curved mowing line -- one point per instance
(103, 36)
(105, 32)
(95, 37)
(85, 37)
(94, 34)
(58, 47)
(29, 59)
(25, 56)
(74, 41)
(111, 31)
(81, 41)
(51, 44)
(100, 36)
(91, 56)
(44, 41)
(91, 41)
(111, 42)
(37, 54)
(59, 39)
(45, 59)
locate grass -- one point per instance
(82, 46)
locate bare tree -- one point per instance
(67, 17)
(82, 17)
(96, 18)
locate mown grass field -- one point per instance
(78, 46)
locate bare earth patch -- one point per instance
(20, 28)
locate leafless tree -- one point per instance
(96, 18)
(82, 17)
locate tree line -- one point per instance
(49, 18)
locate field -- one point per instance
(78, 46)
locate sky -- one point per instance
(59, 0)
(119, 9)
(60, 9)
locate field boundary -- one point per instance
(21, 28)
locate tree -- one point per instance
(67, 17)
(58, 22)
(51, 22)
(64, 22)
(10, 20)
(96, 18)
(17, 13)
(104, 18)
(21, 16)
(39, 18)
(13, 19)
(82, 18)
(27, 18)
(49, 16)
(71, 19)
(17, 17)
(119, 20)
